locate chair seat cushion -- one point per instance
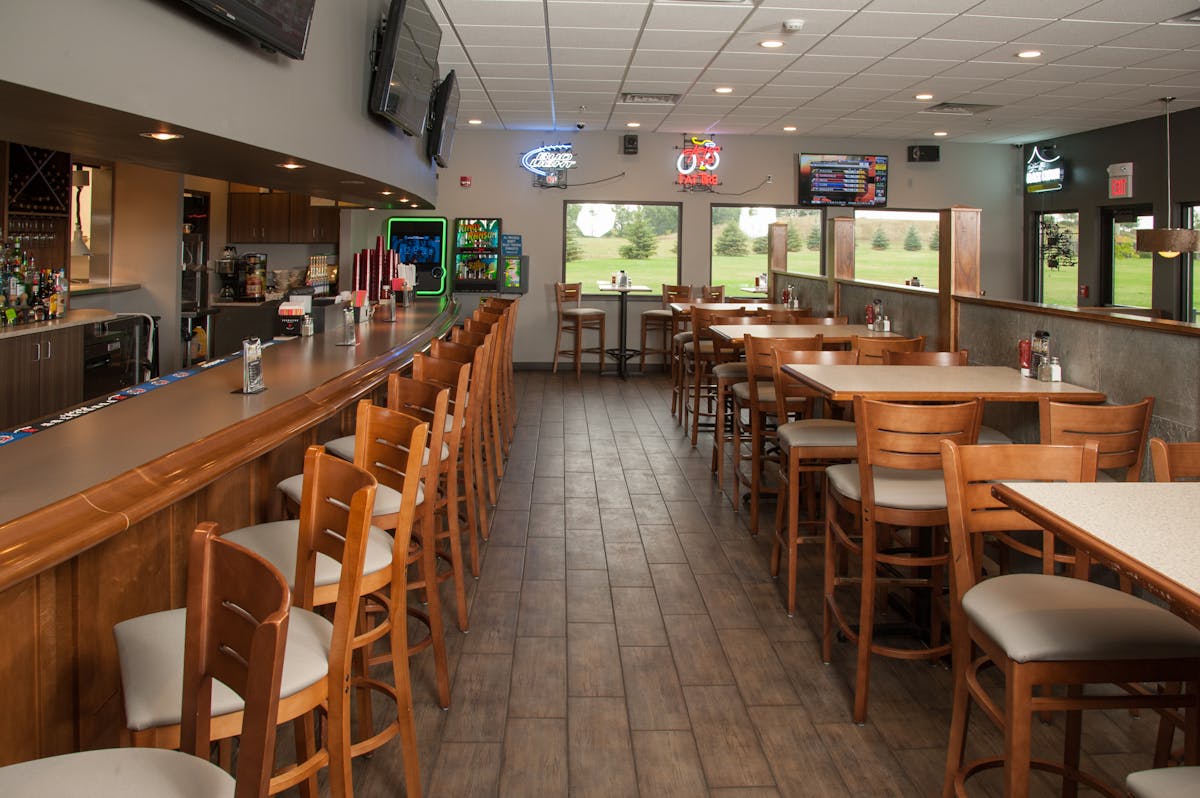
(387, 499)
(657, 313)
(150, 649)
(276, 542)
(818, 432)
(1181, 782)
(705, 346)
(766, 391)
(683, 337)
(894, 487)
(1036, 617)
(571, 313)
(117, 773)
(992, 436)
(343, 447)
(730, 371)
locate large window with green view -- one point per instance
(896, 247)
(739, 242)
(1058, 257)
(1191, 218)
(602, 238)
(1132, 272)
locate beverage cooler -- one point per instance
(477, 265)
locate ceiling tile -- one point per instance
(1166, 37)
(762, 61)
(1081, 32)
(1030, 9)
(584, 56)
(501, 35)
(867, 23)
(1123, 11)
(941, 49)
(605, 15)
(971, 28)
(912, 67)
(693, 16)
(875, 47)
(817, 21)
(671, 58)
(707, 41)
(615, 38)
(1116, 57)
(497, 13)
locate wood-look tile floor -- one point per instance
(627, 640)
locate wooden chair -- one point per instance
(712, 293)
(508, 308)
(337, 503)
(1174, 462)
(829, 320)
(575, 320)
(234, 631)
(1120, 430)
(727, 368)
(660, 320)
(891, 357)
(870, 350)
(493, 414)
(758, 400)
(1039, 630)
(788, 316)
(808, 446)
(1164, 783)
(895, 486)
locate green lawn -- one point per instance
(1131, 284)
(895, 265)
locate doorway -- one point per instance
(1129, 272)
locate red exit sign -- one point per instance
(1120, 181)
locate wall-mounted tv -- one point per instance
(406, 68)
(278, 25)
(851, 180)
(443, 114)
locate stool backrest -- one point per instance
(760, 365)
(787, 316)
(892, 357)
(565, 293)
(1175, 462)
(712, 293)
(237, 616)
(1120, 430)
(675, 293)
(445, 373)
(870, 350)
(788, 387)
(830, 320)
(908, 436)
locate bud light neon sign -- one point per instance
(549, 159)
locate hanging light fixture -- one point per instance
(79, 179)
(1168, 241)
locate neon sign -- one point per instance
(697, 165)
(1044, 171)
(548, 159)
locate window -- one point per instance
(1191, 286)
(1132, 275)
(600, 238)
(1057, 256)
(896, 246)
(739, 242)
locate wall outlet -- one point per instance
(1083, 291)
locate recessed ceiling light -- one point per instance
(771, 44)
(1029, 54)
(923, 96)
(723, 90)
(790, 128)
(404, 199)
(633, 124)
(351, 182)
(161, 136)
(290, 165)
(386, 193)
(474, 121)
(940, 133)
(370, 209)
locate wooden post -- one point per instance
(958, 268)
(776, 256)
(841, 256)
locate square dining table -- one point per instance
(1144, 530)
(934, 384)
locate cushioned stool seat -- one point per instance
(658, 313)
(275, 542)
(1181, 782)
(730, 371)
(117, 773)
(817, 432)
(900, 488)
(387, 499)
(343, 447)
(990, 435)
(571, 313)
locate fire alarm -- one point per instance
(465, 181)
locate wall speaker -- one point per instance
(922, 153)
(629, 144)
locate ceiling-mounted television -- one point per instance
(278, 25)
(848, 180)
(443, 114)
(406, 68)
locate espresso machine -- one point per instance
(243, 278)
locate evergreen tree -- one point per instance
(912, 241)
(880, 239)
(759, 246)
(794, 244)
(574, 249)
(733, 242)
(934, 242)
(641, 239)
(814, 238)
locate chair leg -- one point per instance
(1018, 730)
(304, 729)
(960, 715)
(1071, 742)
(718, 454)
(578, 348)
(866, 625)
(557, 346)
(793, 526)
(603, 352)
(642, 352)
(402, 680)
(830, 576)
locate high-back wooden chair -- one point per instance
(870, 350)
(574, 320)
(234, 631)
(893, 357)
(660, 320)
(712, 293)
(1041, 630)
(1174, 462)
(829, 320)
(1120, 430)
(896, 487)
(727, 368)
(700, 355)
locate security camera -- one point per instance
(579, 126)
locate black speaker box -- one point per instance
(629, 144)
(924, 153)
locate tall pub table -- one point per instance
(622, 353)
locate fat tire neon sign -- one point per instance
(697, 165)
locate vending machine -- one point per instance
(421, 241)
(477, 255)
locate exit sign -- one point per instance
(1120, 180)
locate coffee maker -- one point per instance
(243, 278)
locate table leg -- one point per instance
(623, 353)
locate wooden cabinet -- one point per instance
(43, 374)
(259, 218)
(313, 224)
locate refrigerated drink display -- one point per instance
(477, 255)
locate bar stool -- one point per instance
(234, 629)
(507, 382)
(1120, 430)
(1181, 782)
(317, 656)
(488, 418)
(893, 357)
(870, 350)
(728, 369)
(575, 320)
(710, 294)
(895, 485)
(1043, 630)
(659, 320)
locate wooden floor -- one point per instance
(626, 640)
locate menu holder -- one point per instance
(252, 370)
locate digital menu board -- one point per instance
(850, 180)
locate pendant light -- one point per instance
(1168, 241)
(79, 179)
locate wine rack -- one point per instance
(39, 181)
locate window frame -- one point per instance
(821, 266)
(1109, 216)
(937, 252)
(586, 285)
(1039, 273)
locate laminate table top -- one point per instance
(934, 384)
(1146, 530)
(686, 307)
(833, 333)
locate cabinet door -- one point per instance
(328, 223)
(302, 229)
(243, 218)
(19, 364)
(274, 215)
(62, 370)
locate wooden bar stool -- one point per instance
(728, 369)
(659, 320)
(1044, 630)
(893, 357)
(870, 350)
(507, 381)
(234, 629)
(1180, 782)
(712, 293)
(575, 320)
(486, 390)
(1120, 430)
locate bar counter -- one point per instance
(94, 513)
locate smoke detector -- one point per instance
(793, 25)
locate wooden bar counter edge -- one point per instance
(95, 514)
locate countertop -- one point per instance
(87, 289)
(73, 318)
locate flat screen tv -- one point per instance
(848, 180)
(278, 25)
(443, 114)
(406, 67)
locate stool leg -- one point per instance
(600, 369)
(557, 345)
(578, 348)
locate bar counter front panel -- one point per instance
(95, 513)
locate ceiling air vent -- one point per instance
(640, 98)
(957, 109)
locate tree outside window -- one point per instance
(896, 246)
(739, 242)
(600, 238)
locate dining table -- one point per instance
(833, 333)
(622, 353)
(686, 307)
(1144, 530)
(935, 384)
